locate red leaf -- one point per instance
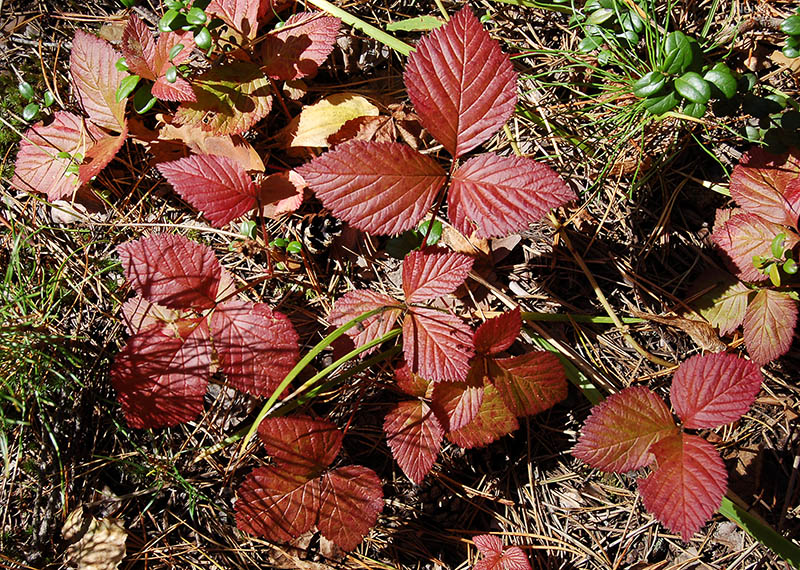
(217, 185)
(687, 486)
(180, 89)
(620, 431)
(498, 333)
(758, 184)
(39, 169)
(240, 15)
(95, 78)
(382, 188)
(300, 443)
(495, 557)
(300, 46)
(456, 403)
(432, 273)
(171, 270)
(713, 390)
(257, 347)
(358, 302)
(461, 84)
(769, 324)
(493, 421)
(530, 383)
(161, 379)
(351, 500)
(415, 436)
(410, 383)
(100, 154)
(495, 196)
(437, 345)
(746, 235)
(281, 193)
(139, 48)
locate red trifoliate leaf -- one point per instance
(358, 302)
(415, 436)
(495, 557)
(437, 345)
(230, 99)
(726, 306)
(530, 383)
(100, 154)
(39, 168)
(456, 403)
(498, 333)
(299, 47)
(462, 85)
(218, 186)
(161, 379)
(95, 78)
(493, 421)
(769, 325)
(495, 196)
(257, 347)
(382, 188)
(687, 486)
(410, 383)
(300, 443)
(759, 181)
(351, 499)
(430, 273)
(745, 236)
(620, 431)
(713, 390)
(240, 15)
(172, 270)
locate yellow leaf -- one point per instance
(322, 119)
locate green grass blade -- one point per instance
(763, 533)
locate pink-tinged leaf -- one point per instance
(139, 48)
(726, 306)
(240, 15)
(415, 436)
(39, 169)
(432, 273)
(494, 196)
(498, 333)
(759, 181)
(620, 431)
(410, 383)
(745, 236)
(495, 557)
(792, 196)
(351, 499)
(530, 383)
(687, 486)
(493, 421)
(769, 324)
(300, 443)
(713, 390)
(462, 85)
(437, 345)
(354, 304)
(230, 99)
(100, 154)
(172, 270)
(382, 188)
(179, 90)
(281, 193)
(300, 46)
(139, 314)
(257, 347)
(161, 379)
(277, 503)
(456, 403)
(95, 78)
(217, 185)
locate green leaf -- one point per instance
(777, 245)
(590, 43)
(165, 24)
(49, 98)
(629, 36)
(436, 231)
(279, 243)
(418, 24)
(171, 74)
(774, 274)
(791, 26)
(661, 104)
(121, 64)
(26, 90)
(696, 110)
(126, 87)
(721, 79)
(196, 16)
(176, 49)
(600, 16)
(143, 100)
(294, 247)
(203, 39)
(631, 22)
(649, 84)
(30, 111)
(677, 53)
(790, 267)
(790, 52)
(693, 87)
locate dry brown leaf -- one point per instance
(790, 63)
(100, 543)
(322, 119)
(702, 333)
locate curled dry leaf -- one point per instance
(96, 544)
(324, 118)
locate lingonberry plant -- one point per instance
(634, 429)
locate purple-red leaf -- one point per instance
(410, 383)
(495, 557)
(437, 345)
(493, 421)
(620, 431)
(687, 486)
(300, 46)
(139, 48)
(495, 196)
(713, 390)
(456, 403)
(96, 78)
(217, 185)
(172, 270)
(498, 333)
(257, 347)
(300, 443)
(351, 499)
(240, 15)
(430, 273)
(382, 188)
(414, 435)
(530, 383)
(161, 379)
(462, 85)
(769, 325)
(758, 184)
(358, 302)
